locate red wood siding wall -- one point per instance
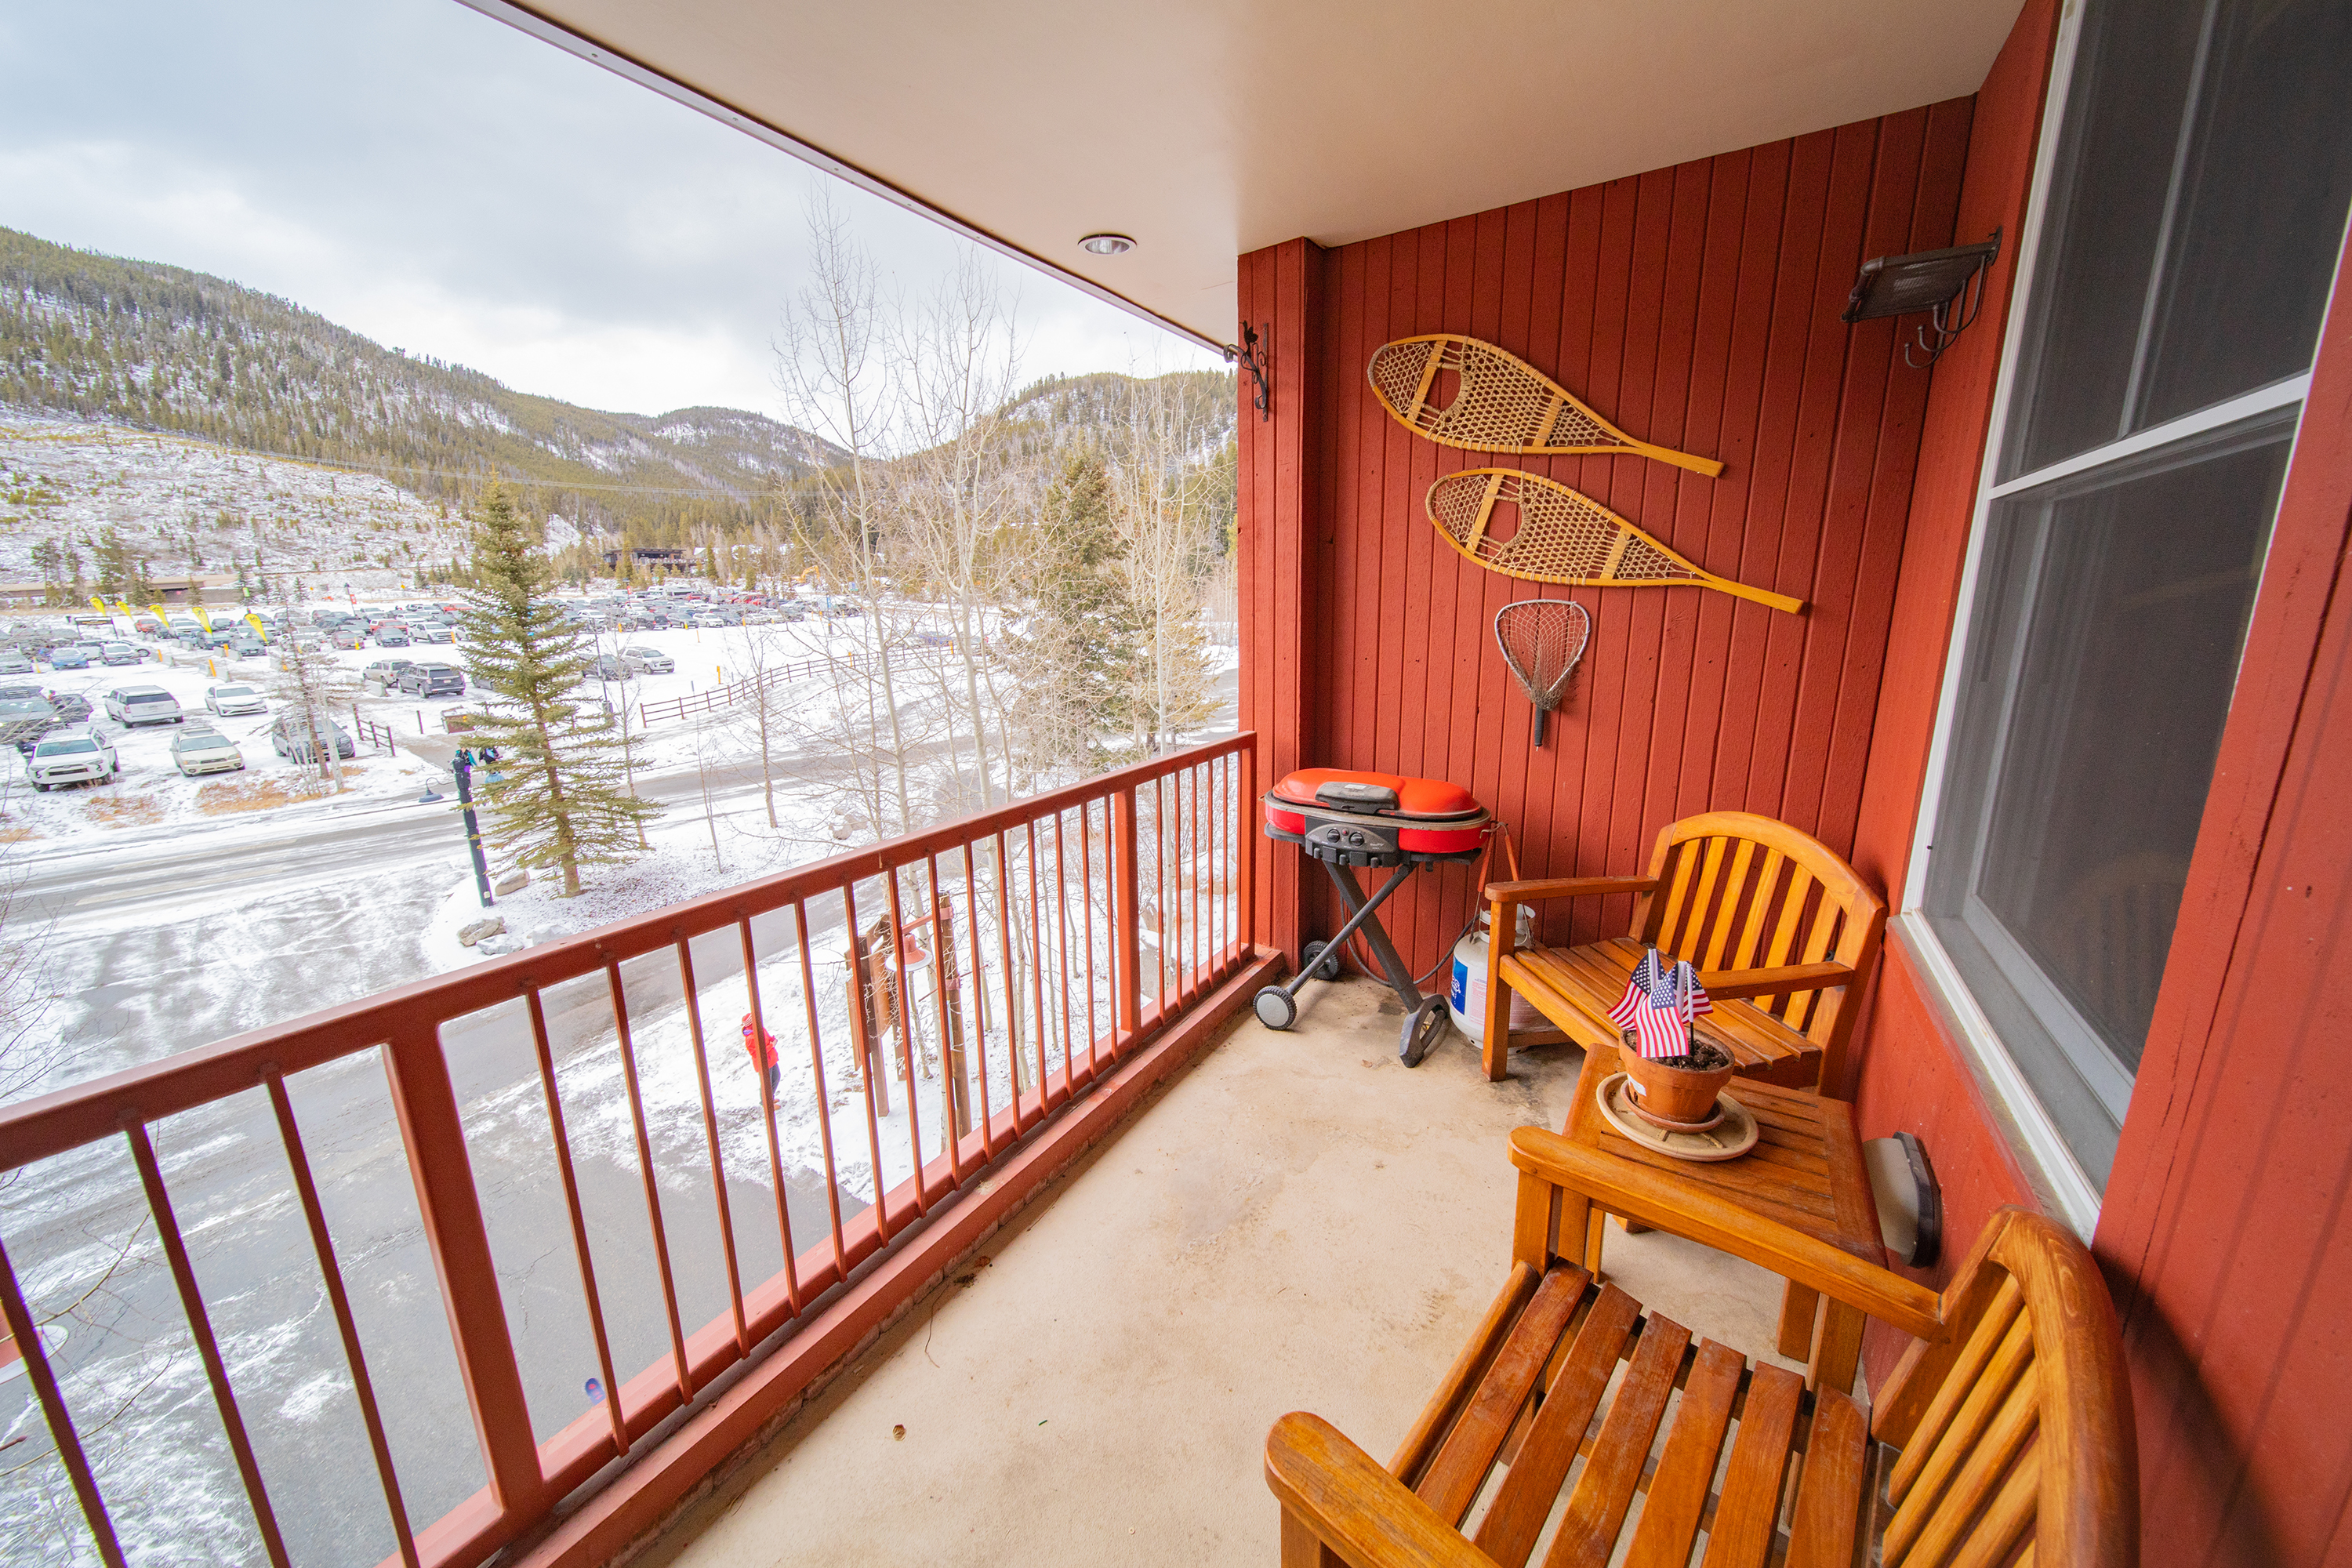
(1696, 307)
(2225, 1229)
(1911, 1076)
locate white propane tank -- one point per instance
(1467, 997)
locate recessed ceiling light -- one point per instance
(1106, 244)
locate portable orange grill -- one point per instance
(1344, 819)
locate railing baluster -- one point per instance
(1037, 974)
(955, 1105)
(823, 1110)
(27, 1336)
(1245, 850)
(907, 1034)
(1125, 918)
(768, 1115)
(1062, 950)
(1169, 924)
(290, 1137)
(579, 1221)
(1196, 971)
(1087, 916)
(710, 1133)
(1014, 1060)
(200, 1324)
(979, 995)
(652, 1181)
(869, 1061)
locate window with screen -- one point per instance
(2195, 213)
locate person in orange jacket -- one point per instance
(762, 1048)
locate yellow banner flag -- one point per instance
(255, 622)
(121, 607)
(206, 619)
(98, 605)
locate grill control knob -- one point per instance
(1355, 838)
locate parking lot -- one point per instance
(151, 788)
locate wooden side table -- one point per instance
(1805, 1171)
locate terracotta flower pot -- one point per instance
(1673, 1095)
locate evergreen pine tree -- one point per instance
(1075, 657)
(562, 798)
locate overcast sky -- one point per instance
(441, 182)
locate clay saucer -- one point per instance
(1727, 1139)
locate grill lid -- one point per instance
(1376, 795)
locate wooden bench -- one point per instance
(1782, 930)
(2005, 1438)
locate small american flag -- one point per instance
(1659, 1005)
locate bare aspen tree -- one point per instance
(762, 656)
(958, 355)
(835, 373)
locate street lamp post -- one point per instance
(462, 764)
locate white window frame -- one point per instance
(2050, 1165)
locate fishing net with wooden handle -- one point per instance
(1541, 640)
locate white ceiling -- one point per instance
(1209, 127)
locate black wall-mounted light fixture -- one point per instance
(1251, 355)
(1948, 284)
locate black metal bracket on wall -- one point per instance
(1251, 355)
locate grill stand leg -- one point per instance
(1360, 912)
(1277, 1005)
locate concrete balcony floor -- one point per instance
(1295, 1223)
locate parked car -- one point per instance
(19, 691)
(433, 680)
(706, 618)
(71, 708)
(133, 705)
(433, 634)
(24, 719)
(384, 674)
(347, 636)
(392, 634)
(122, 653)
(289, 739)
(69, 656)
(648, 661)
(147, 627)
(230, 698)
(608, 668)
(79, 758)
(206, 750)
(15, 663)
(247, 647)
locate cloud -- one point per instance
(438, 182)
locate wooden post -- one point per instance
(435, 1138)
(866, 1033)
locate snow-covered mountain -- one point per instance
(149, 347)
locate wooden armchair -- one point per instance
(2005, 1438)
(1783, 933)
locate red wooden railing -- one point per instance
(1023, 931)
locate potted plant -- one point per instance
(1679, 1093)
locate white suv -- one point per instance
(70, 759)
(132, 705)
(228, 700)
